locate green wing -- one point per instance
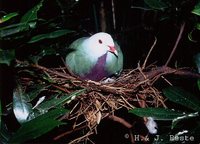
(77, 60)
(116, 65)
(120, 61)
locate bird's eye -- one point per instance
(100, 41)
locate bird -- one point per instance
(95, 57)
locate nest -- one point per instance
(134, 88)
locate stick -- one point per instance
(145, 61)
(176, 44)
(120, 120)
(69, 132)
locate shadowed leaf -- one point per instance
(13, 29)
(8, 17)
(4, 134)
(31, 15)
(50, 35)
(157, 113)
(0, 112)
(44, 52)
(196, 9)
(36, 89)
(186, 116)
(59, 101)
(38, 126)
(197, 61)
(198, 83)
(6, 56)
(182, 97)
(156, 4)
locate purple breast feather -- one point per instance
(98, 72)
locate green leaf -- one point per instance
(198, 26)
(4, 134)
(198, 83)
(33, 130)
(8, 17)
(50, 35)
(53, 103)
(31, 15)
(156, 4)
(22, 109)
(13, 29)
(196, 130)
(197, 61)
(182, 97)
(196, 9)
(186, 116)
(190, 37)
(7, 56)
(38, 126)
(53, 114)
(44, 52)
(0, 112)
(157, 113)
(35, 91)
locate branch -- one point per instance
(145, 61)
(69, 132)
(176, 44)
(164, 70)
(120, 120)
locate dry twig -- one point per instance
(130, 90)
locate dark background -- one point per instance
(135, 28)
(135, 32)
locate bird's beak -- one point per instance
(113, 50)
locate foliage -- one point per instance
(25, 31)
(196, 9)
(31, 38)
(156, 4)
(8, 17)
(177, 12)
(6, 56)
(179, 97)
(189, 112)
(51, 35)
(21, 108)
(38, 126)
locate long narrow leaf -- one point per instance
(156, 4)
(7, 56)
(157, 113)
(29, 131)
(0, 111)
(58, 101)
(31, 15)
(8, 17)
(182, 97)
(50, 35)
(197, 61)
(13, 29)
(38, 126)
(35, 91)
(196, 9)
(4, 134)
(33, 130)
(186, 116)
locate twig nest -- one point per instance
(132, 89)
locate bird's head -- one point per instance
(102, 43)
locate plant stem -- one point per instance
(176, 44)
